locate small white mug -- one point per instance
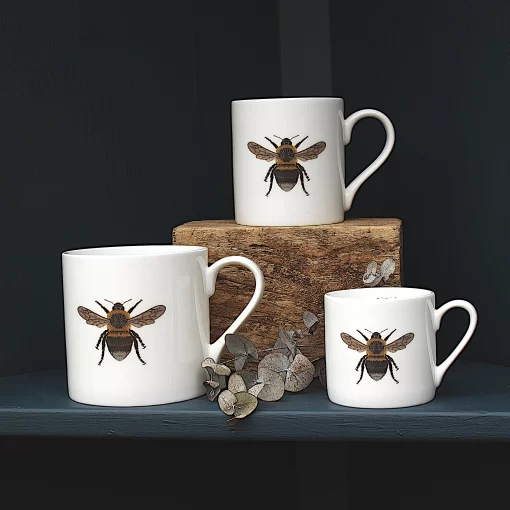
(288, 160)
(137, 322)
(381, 346)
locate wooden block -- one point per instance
(300, 265)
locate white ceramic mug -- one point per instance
(144, 346)
(288, 159)
(381, 346)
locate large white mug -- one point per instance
(381, 346)
(288, 160)
(137, 322)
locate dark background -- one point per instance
(115, 127)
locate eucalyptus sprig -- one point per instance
(285, 368)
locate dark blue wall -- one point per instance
(440, 71)
(115, 127)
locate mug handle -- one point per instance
(437, 316)
(211, 274)
(349, 123)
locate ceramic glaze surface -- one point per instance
(363, 365)
(302, 163)
(173, 281)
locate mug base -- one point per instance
(287, 223)
(380, 405)
(135, 402)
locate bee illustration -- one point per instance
(376, 359)
(286, 170)
(372, 277)
(119, 337)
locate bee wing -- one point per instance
(387, 268)
(147, 317)
(92, 318)
(400, 343)
(312, 152)
(261, 152)
(352, 343)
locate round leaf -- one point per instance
(257, 388)
(240, 361)
(238, 345)
(249, 378)
(212, 393)
(311, 322)
(213, 384)
(245, 405)
(387, 268)
(300, 374)
(236, 384)
(320, 371)
(227, 402)
(218, 368)
(276, 361)
(287, 337)
(273, 385)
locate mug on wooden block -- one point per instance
(288, 159)
(381, 346)
(145, 309)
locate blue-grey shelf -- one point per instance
(473, 403)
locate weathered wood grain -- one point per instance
(300, 264)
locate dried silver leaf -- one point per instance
(237, 344)
(212, 393)
(286, 338)
(371, 276)
(245, 405)
(240, 361)
(257, 388)
(311, 321)
(236, 384)
(276, 361)
(280, 347)
(387, 268)
(213, 383)
(242, 349)
(227, 402)
(273, 385)
(249, 378)
(300, 374)
(218, 368)
(320, 371)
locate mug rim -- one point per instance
(131, 251)
(374, 294)
(269, 99)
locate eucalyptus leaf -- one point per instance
(300, 374)
(387, 268)
(320, 370)
(227, 402)
(249, 378)
(276, 361)
(245, 405)
(311, 321)
(218, 368)
(242, 348)
(236, 384)
(287, 337)
(213, 384)
(273, 386)
(257, 388)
